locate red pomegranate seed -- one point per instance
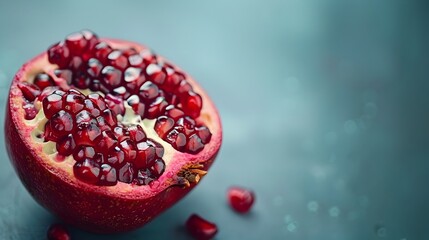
(126, 173)
(76, 43)
(186, 125)
(43, 80)
(156, 73)
(136, 61)
(129, 149)
(59, 54)
(94, 67)
(91, 108)
(176, 139)
(76, 64)
(241, 199)
(111, 76)
(87, 171)
(200, 228)
(88, 134)
(108, 175)
(98, 100)
(192, 104)
(133, 79)
(52, 104)
(91, 39)
(81, 81)
(116, 157)
(156, 108)
(73, 102)
(58, 232)
(204, 133)
(148, 56)
(117, 59)
(137, 133)
(83, 118)
(145, 154)
(174, 112)
(144, 177)
(149, 91)
(173, 79)
(64, 74)
(158, 167)
(163, 126)
(107, 142)
(96, 85)
(84, 152)
(61, 123)
(101, 51)
(116, 104)
(129, 51)
(30, 91)
(121, 133)
(109, 118)
(66, 145)
(184, 88)
(30, 111)
(194, 144)
(136, 105)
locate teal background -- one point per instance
(324, 106)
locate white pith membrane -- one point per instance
(37, 126)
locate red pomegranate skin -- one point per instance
(98, 209)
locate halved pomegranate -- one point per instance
(106, 134)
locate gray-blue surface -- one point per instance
(324, 106)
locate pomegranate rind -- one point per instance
(101, 209)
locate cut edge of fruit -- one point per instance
(181, 160)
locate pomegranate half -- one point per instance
(106, 134)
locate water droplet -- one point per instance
(334, 212)
(350, 127)
(313, 206)
(380, 231)
(154, 184)
(278, 201)
(288, 219)
(291, 227)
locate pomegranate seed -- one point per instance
(116, 157)
(109, 118)
(156, 73)
(192, 104)
(58, 232)
(137, 133)
(129, 149)
(111, 76)
(126, 173)
(204, 133)
(83, 118)
(87, 171)
(116, 104)
(136, 61)
(97, 85)
(98, 100)
(52, 104)
(194, 144)
(149, 91)
(73, 102)
(186, 125)
(91, 39)
(43, 80)
(94, 67)
(117, 59)
(159, 149)
(163, 125)
(84, 152)
(156, 108)
(148, 56)
(59, 54)
(30, 111)
(144, 177)
(121, 133)
(76, 43)
(129, 51)
(61, 123)
(64, 74)
(200, 228)
(108, 175)
(241, 199)
(76, 64)
(158, 167)
(174, 112)
(184, 88)
(92, 109)
(29, 91)
(145, 154)
(101, 50)
(66, 145)
(136, 105)
(176, 139)
(107, 142)
(133, 79)
(80, 80)
(173, 79)
(88, 134)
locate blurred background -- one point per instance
(324, 107)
